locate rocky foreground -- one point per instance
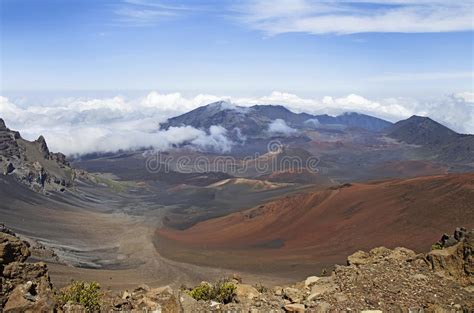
(382, 279)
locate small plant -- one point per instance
(436, 246)
(324, 272)
(203, 291)
(261, 288)
(86, 294)
(222, 291)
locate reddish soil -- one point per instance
(323, 227)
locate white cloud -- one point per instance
(357, 16)
(217, 139)
(279, 126)
(80, 125)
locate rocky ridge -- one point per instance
(32, 163)
(382, 279)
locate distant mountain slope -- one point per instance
(444, 143)
(363, 121)
(255, 120)
(460, 150)
(422, 131)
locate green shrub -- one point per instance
(202, 291)
(86, 294)
(436, 246)
(222, 291)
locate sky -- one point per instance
(389, 58)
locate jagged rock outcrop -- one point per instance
(25, 287)
(456, 258)
(32, 163)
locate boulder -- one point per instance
(73, 308)
(310, 281)
(295, 308)
(12, 249)
(143, 298)
(401, 254)
(293, 294)
(322, 286)
(188, 303)
(246, 292)
(358, 258)
(379, 253)
(30, 296)
(278, 291)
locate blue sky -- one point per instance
(311, 48)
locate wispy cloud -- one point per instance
(149, 13)
(357, 16)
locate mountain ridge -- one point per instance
(256, 119)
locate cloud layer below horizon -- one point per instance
(78, 125)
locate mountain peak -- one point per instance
(2, 124)
(419, 118)
(220, 105)
(426, 122)
(43, 145)
(421, 130)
